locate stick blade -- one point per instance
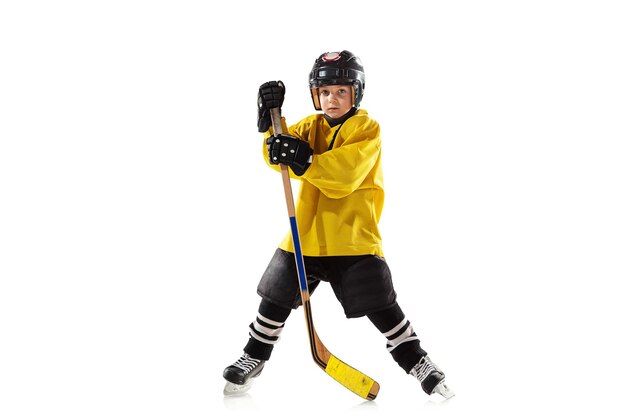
(353, 379)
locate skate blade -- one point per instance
(443, 390)
(236, 389)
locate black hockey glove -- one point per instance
(271, 95)
(289, 150)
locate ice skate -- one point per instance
(240, 375)
(431, 377)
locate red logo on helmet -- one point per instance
(331, 56)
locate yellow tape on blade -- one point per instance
(354, 380)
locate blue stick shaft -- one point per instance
(298, 254)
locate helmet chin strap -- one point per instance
(334, 122)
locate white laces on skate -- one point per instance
(246, 363)
(423, 368)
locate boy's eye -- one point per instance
(339, 92)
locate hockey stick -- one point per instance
(353, 379)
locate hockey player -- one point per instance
(336, 155)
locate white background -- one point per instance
(137, 216)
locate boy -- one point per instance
(336, 155)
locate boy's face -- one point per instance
(335, 100)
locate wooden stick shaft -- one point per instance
(284, 169)
(291, 211)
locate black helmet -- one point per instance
(337, 68)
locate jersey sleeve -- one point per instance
(342, 170)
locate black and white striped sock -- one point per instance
(402, 333)
(402, 342)
(266, 330)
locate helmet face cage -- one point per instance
(337, 68)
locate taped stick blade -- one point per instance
(353, 379)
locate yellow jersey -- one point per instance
(341, 194)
